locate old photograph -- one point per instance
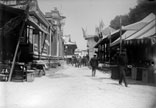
(77, 53)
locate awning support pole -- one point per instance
(120, 35)
(17, 46)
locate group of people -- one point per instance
(79, 61)
(122, 62)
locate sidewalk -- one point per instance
(71, 87)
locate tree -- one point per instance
(116, 22)
(144, 8)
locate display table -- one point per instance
(30, 76)
(140, 74)
(3, 77)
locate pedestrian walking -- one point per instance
(79, 62)
(123, 67)
(94, 65)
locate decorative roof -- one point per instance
(67, 40)
(105, 32)
(69, 43)
(35, 10)
(55, 14)
(89, 36)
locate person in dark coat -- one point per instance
(94, 65)
(122, 67)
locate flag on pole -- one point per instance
(84, 33)
(120, 34)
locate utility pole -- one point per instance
(120, 34)
(110, 45)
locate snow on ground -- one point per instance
(72, 87)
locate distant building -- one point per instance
(92, 40)
(78, 52)
(69, 47)
(84, 52)
(81, 53)
(90, 45)
(57, 44)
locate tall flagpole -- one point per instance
(120, 34)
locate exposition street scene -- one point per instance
(78, 54)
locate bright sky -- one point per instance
(86, 14)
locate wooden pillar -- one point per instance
(39, 36)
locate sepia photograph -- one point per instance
(77, 53)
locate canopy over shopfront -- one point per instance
(10, 25)
(138, 32)
(139, 40)
(103, 45)
(11, 19)
(110, 37)
(146, 34)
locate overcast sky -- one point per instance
(86, 14)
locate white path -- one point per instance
(75, 88)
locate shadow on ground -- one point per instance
(100, 79)
(88, 75)
(57, 75)
(133, 82)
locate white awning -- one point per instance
(139, 30)
(148, 30)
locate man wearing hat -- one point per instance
(94, 65)
(123, 60)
